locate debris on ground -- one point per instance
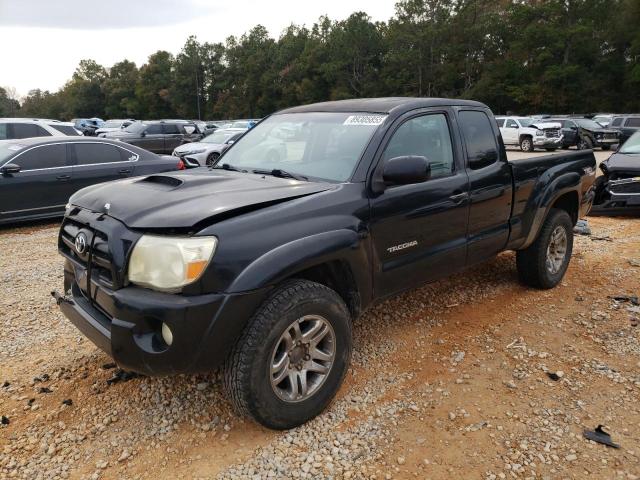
(109, 366)
(600, 436)
(634, 262)
(45, 390)
(602, 239)
(122, 376)
(633, 299)
(555, 376)
(68, 402)
(582, 228)
(4, 420)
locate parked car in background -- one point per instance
(38, 175)
(14, 128)
(113, 125)
(208, 150)
(158, 136)
(529, 134)
(88, 126)
(617, 191)
(584, 133)
(625, 125)
(246, 124)
(604, 119)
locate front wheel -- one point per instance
(585, 143)
(212, 158)
(526, 144)
(545, 261)
(292, 357)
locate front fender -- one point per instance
(301, 254)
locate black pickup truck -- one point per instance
(261, 263)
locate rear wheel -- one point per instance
(212, 158)
(526, 144)
(545, 261)
(292, 358)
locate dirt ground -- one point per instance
(448, 381)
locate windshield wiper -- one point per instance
(276, 172)
(231, 168)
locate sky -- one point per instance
(44, 40)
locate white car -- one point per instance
(113, 126)
(603, 119)
(529, 134)
(209, 149)
(14, 128)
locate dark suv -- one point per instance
(584, 133)
(159, 136)
(626, 125)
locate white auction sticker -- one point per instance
(364, 120)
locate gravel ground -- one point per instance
(448, 381)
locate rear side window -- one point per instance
(93, 153)
(616, 122)
(154, 129)
(170, 128)
(632, 122)
(511, 123)
(426, 136)
(28, 130)
(479, 137)
(66, 129)
(47, 156)
(500, 122)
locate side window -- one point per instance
(616, 122)
(127, 156)
(93, 153)
(568, 124)
(154, 129)
(511, 123)
(48, 156)
(4, 134)
(500, 122)
(170, 128)
(632, 122)
(28, 130)
(427, 136)
(479, 138)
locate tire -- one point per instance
(526, 144)
(250, 367)
(606, 147)
(585, 143)
(533, 269)
(212, 158)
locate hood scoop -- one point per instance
(161, 180)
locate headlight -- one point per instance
(168, 263)
(539, 133)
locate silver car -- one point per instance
(209, 149)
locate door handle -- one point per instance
(124, 171)
(63, 177)
(458, 197)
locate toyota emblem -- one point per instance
(81, 243)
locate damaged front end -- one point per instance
(617, 194)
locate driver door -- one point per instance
(510, 132)
(419, 231)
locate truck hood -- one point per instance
(182, 200)
(623, 164)
(543, 125)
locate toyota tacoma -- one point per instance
(260, 264)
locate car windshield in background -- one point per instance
(525, 122)
(323, 145)
(137, 127)
(588, 124)
(7, 149)
(632, 145)
(218, 137)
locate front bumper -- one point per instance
(620, 197)
(608, 142)
(547, 142)
(126, 324)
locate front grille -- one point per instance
(552, 132)
(625, 187)
(610, 136)
(95, 261)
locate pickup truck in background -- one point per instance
(625, 125)
(529, 134)
(261, 263)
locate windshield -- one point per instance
(7, 149)
(220, 136)
(588, 124)
(603, 119)
(632, 145)
(323, 145)
(525, 122)
(136, 127)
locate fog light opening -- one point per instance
(167, 334)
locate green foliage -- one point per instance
(560, 56)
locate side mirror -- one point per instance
(10, 169)
(143, 134)
(230, 142)
(483, 159)
(406, 170)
